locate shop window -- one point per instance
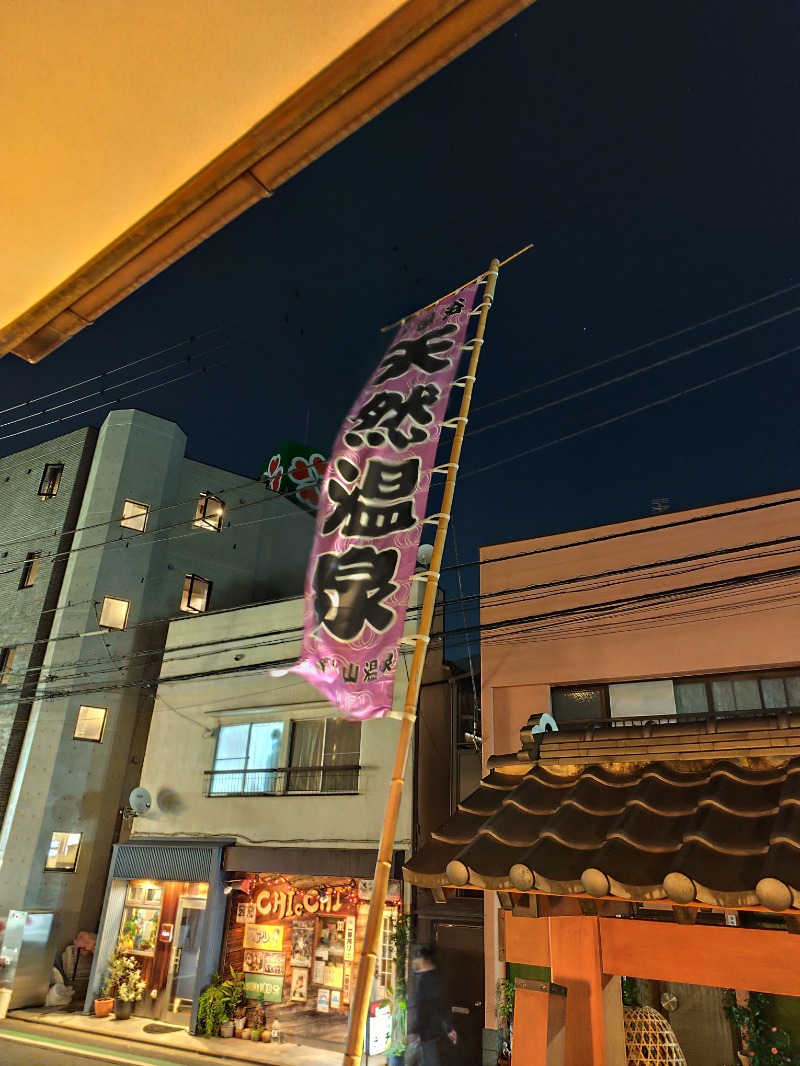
(91, 723)
(140, 918)
(247, 760)
(134, 515)
(196, 594)
(6, 662)
(51, 480)
(578, 704)
(325, 756)
(63, 852)
(114, 612)
(210, 512)
(30, 568)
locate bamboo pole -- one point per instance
(360, 1003)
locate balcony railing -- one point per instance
(283, 781)
(591, 725)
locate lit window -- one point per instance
(63, 852)
(246, 759)
(6, 660)
(134, 515)
(114, 613)
(29, 569)
(210, 512)
(51, 479)
(325, 755)
(91, 723)
(196, 594)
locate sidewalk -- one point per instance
(234, 1050)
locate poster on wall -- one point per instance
(299, 992)
(258, 986)
(270, 962)
(302, 943)
(246, 912)
(335, 999)
(266, 937)
(349, 939)
(331, 939)
(334, 974)
(323, 1001)
(318, 976)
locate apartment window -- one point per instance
(30, 568)
(325, 756)
(134, 515)
(63, 852)
(91, 723)
(196, 594)
(246, 759)
(210, 512)
(6, 662)
(576, 704)
(51, 479)
(114, 612)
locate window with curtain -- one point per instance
(246, 758)
(325, 755)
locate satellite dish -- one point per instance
(425, 554)
(140, 800)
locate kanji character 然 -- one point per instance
(383, 416)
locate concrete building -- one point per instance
(106, 536)
(665, 649)
(267, 811)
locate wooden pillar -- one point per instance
(594, 1029)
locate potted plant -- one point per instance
(398, 995)
(255, 1032)
(762, 1042)
(124, 982)
(226, 1029)
(505, 1016)
(218, 1005)
(103, 1000)
(239, 1019)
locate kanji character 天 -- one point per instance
(421, 352)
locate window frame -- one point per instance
(115, 599)
(90, 740)
(6, 663)
(247, 768)
(30, 568)
(64, 869)
(126, 520)
(202, 520)
(186, 595)
(318, 773)
(50, 481)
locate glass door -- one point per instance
(182, 976)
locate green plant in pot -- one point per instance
(505, 1016)
(219, 1003)
(123, 982)
(398, 996)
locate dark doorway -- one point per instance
(459, 956)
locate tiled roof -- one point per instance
(711, 816)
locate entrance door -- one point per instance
(459, 957)
(183, 959)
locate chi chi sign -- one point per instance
(274, 904)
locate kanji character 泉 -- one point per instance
(388, 663)
(350, 589)
(421, 352)
(383, 415)
(381, 501)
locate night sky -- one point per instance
(650, 149)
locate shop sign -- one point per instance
(380, 1029)
(350, 939)
(272, 903)
(394, 890)
(323, 1001)
(246, 912)
(269, 962)
(346, 981)
(266, 937)
(257, 985)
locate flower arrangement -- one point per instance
(123, 978)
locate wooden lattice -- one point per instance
(649, 1039)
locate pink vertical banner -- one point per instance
(371, 509)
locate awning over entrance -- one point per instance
(694, 813)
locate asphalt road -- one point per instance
(28, 1044)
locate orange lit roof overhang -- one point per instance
(133, 131)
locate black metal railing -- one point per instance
(283, 781)
(592, 724)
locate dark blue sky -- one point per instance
(650, 150)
